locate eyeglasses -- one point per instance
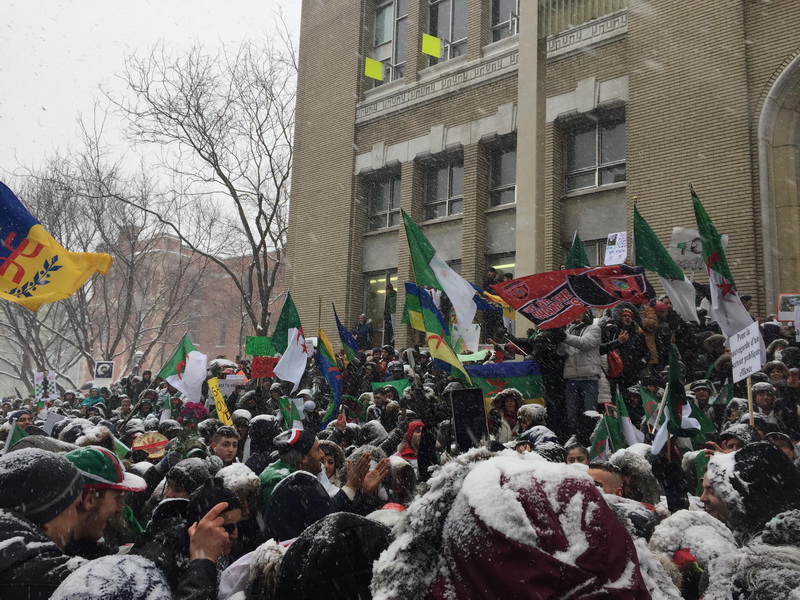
(230, 527)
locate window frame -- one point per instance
(496, 190)
(449, 161)
(510, 25)
(393, 66)
(393, 204)
(596, 123)
(449, 46)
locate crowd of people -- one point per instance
(128, 492)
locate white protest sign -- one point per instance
(746, 352)
(50, 422)
(796, 321)
(228, 385)
(686, 248)
(471, 336)
(103, 372)
(616, 248)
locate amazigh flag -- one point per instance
(577, 259)
(294, 361)
(287, 320)
(34, 268)
(431, 270)
(630, 432)
(491, 303)
(435, 334)
(349, 342)
(677, 409)
(525, 376)
(412, 311)
(607, 438)
(726, 307)
(650, 254)
(15, 435)
(326, 363)
(556, 298)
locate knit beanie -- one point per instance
(190, 473)
(38, 484)
(207, 496)
(294, 444)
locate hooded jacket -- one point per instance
(582, 349)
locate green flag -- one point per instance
(290, 409)
(676, 400)
(706, 426)
(287, 320)
(631, 433)
(724, 396)
(650, 254)
(177, 361)
(400, 385)
(577, 259)
(16, 434)
(607, 438)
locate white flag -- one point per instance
(190, 381)
(293, 363)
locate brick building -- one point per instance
(533, 125)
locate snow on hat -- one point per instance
(151, 442)
(755, 483)
(101, 468)
(190, 473)
(38, 484)
(241, 413)
(207, 496)
(294, 444)
(700, 384)
(129, 577)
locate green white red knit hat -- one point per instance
(101, 468)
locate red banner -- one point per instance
(262, 366)
(555, 298)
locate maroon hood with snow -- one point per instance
(524, 528)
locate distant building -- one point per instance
(640, 98)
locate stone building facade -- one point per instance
(534, 125)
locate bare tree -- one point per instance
(222, 124)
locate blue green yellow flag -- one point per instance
(34, 268)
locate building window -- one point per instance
(193, 327)
(375, 301)
(389, 44)
(447, 20)
(384, 202)
(595, 152)
(505, 19)
(503, 175)
(595, 251)
(444, 187)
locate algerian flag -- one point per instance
(606, 439)
(650, 254)
(16, 434)
(724, 396)
(726, 307)
(631, 434)
(166, 411)
(292, 411)
(431, 270)
(677, 409)
(121, 449)
(651, 406)
(292, 364)
(177, 361)
(577, 259)
(287, 320)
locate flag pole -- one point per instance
(750, 402)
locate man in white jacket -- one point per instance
(582, 371)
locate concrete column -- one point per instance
(530, 243)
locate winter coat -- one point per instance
(582, 349)
(297, 501)
(32, 566)
(333, 559)
(165, 541)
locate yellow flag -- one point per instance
(219, 401)
(431, 45)
(373, 68)
(34, 267)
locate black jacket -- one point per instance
(32, 566)
(166, 540)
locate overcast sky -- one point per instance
(54, 55)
